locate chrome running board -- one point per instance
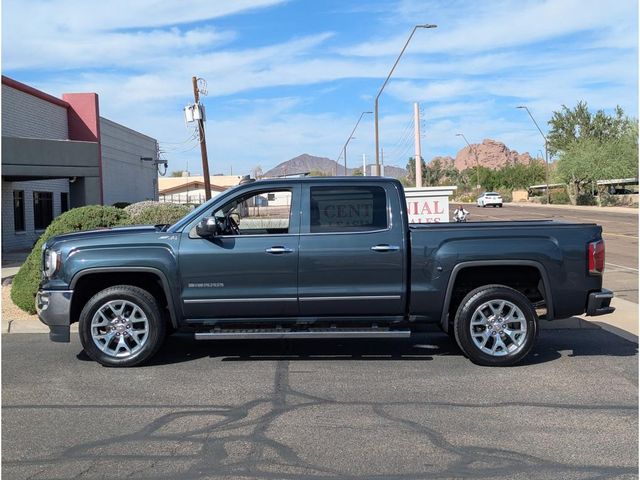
(319, 333)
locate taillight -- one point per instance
(596, 257)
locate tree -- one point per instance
(317, 173)
(571, 125)
(590, 159)
(177, 173)
(592, 147)
(257, 172)
(356, 172)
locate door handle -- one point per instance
(278, 250)
(385, 248)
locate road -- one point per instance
(620, 232)
(399, 409)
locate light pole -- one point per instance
(344, 149)
(382, 88)
(475, 154)
(546, 151)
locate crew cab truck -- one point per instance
(318, 258)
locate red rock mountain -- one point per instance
(491, 154)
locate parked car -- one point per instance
(491, 199)
(327, 258)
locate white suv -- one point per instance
(492, 199)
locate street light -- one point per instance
(546, 150)
(475, 154)
(344, 149)
(426, 25)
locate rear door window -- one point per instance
(347, 209)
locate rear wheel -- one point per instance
(121, 326)
(495, 326)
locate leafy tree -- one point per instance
(589, 159)
(317, 173)
(357, 172)
(571, 125)
(177, 173)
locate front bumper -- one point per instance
(54, 310)
(599, 303)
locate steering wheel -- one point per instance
(231, 225)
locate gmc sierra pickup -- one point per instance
(318, 258)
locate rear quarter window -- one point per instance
(347, 209)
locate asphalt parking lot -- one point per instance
(620, 232)
(397, 409)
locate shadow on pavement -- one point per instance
(551, 345)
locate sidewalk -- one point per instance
(586, 208)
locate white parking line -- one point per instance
(620, 266)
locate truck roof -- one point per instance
(327, 179)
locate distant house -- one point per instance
(191, 189)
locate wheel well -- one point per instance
(90, 284)
(526, 279)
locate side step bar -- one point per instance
(277, 334)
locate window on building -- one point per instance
(64, 202)
(352, 209)
(42, 209)
(18, 210)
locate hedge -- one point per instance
(25, 283)
(154, 213)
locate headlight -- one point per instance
(51, 262)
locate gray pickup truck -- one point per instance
(318, 258)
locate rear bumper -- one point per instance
(599, 303)
(54, 309)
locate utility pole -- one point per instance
(364, 165)
(381, 162)
(203, 143)
(418, 156)
(546, 149)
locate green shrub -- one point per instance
(154, 213)
(25, 283)
(559, 197)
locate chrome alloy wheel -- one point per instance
(119, 328)
(498, 328)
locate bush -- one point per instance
(559, 197)
(154, 213)
(25, 283)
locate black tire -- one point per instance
(500, 205)
(141, 298)
(462, 325)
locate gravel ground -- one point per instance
(9, 309)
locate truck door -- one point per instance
(352, 250)
(253, 273)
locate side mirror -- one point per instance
(207, 227)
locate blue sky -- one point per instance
(292, 77)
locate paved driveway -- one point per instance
(300, 410)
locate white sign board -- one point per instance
(428, 204)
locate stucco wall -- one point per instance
(12, 240)
(125, 177)
(24, 115)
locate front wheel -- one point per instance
(495, 326)
(121, 326)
